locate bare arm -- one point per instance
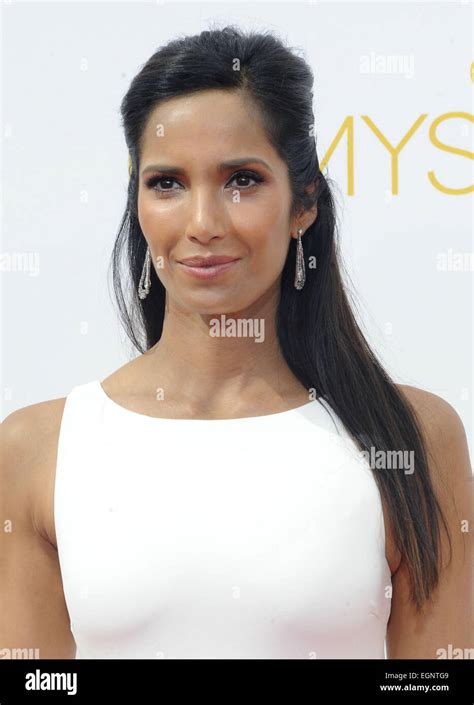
(34, 616)
(448, 619)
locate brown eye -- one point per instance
(247, 175)
(164, 183)
(151, 183)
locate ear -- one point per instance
(305, 218)
(308, 218)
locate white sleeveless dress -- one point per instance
(259, 537)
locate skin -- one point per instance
(205, 211)
(210, 377)
(448, 618)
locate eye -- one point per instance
(151, 183)
(253, 176)
(163, 181)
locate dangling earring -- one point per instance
(145, 277)
(300, 277)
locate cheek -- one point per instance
(159, 227)
(266, 254)
(267, 206)
(144, 214)
(263, 222)
(147, 216)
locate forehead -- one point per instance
(207, 125)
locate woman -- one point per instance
(217, 496)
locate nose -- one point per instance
(205, 218)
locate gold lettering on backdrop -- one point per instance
(347, 128)
(394, 151)
(451, 150)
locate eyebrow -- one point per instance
(222, 167)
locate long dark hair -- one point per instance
(317, 330)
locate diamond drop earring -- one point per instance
(145, 281)
(300, 276)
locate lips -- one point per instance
(210, 261)
(208, 268)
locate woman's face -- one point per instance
(191, 204)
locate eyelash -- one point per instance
(151, 183)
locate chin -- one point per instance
(219, 306)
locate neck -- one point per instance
(222, 360)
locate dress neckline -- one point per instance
(240, 419)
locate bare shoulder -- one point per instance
(26, 431)
(40, 415)
(441, 424)
(31, 583)
(29, 438)
(446, 619)
(447, 450)
(430, 406)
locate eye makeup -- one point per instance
(157, 179)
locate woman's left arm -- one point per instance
(445, 627)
